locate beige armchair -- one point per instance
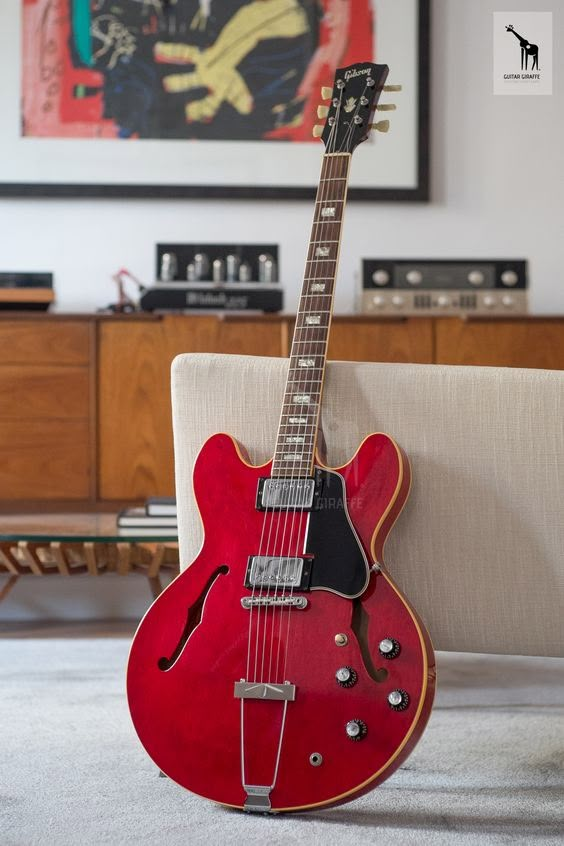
(479, 548)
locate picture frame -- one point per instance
(226, 169)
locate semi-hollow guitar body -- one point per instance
(332, 696)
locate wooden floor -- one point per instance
(67, 629)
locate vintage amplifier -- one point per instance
(21, 290)
(445, 286)
(226, 296)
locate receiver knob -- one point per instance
(443, 301)
(476, 277)
(509, 277)
(346, 677)
(397, 301)
(398, 700)
(414, 277)
(489, 301)
(356, 729)
(508, 301)
(380, 277)
(378, 301)
(389, 647)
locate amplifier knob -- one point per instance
(476, 277)
(397, 301)
(509, 277)
(414, 277)
(443, 301)
(380, 277)
(489, 301)
(356, 729)
(378, 301)
(508, 301)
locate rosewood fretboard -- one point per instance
(295, 444)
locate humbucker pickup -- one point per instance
(287, 494)
(279, 572)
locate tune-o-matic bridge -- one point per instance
(283, 493)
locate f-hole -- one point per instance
(359, 625)
(193, 619)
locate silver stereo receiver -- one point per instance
(445, 286)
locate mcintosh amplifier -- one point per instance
(446, 286)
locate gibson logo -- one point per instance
(356, 72)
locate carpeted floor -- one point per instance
(489, 768)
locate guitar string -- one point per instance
(320, 228)
(297, 516)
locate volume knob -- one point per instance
(398, 700)
(346, 677)
(389, 647)
(356, 729)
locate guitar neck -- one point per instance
(297, 433)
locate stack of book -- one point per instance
(157, 518)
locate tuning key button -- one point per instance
(326, 92)
(322, 111)
(509, 277)
(389, 648)
(356, 729)
(398, 700)
(346, 677)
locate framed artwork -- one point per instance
(202, 98)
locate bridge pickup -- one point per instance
(278, 572)
(264, 690)
(286, 494)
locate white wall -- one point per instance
(498, 190)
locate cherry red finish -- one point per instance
(187, 716)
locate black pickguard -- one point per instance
(339, 563)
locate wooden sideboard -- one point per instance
(85, 403)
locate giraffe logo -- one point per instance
(528, 50)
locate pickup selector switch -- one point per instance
(356, 729)
(389, 648)
(398, 700)
(346, 677)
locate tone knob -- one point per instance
(378, 301)
(443, 301)
(509, 277)
(508, 301)
(380, 277)
(398, 700)
(346, 677)
(414, 277)
(389, 647)
(476, 277)
(397, 301)
(489, 301)
(356, 729)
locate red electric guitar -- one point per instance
(284, 670)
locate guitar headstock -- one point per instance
(354, 99)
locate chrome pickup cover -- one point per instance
(283, 493)
(270, 571)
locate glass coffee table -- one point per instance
(71, 544)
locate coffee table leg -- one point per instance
(7, 587)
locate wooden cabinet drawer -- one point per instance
(44, 392)
(45, 342)
(501, 343)
(405, 340)
(45, 459)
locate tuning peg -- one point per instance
(317, 131)
(393, 88)
(386, 107)
(381, 126)
(326, 93)
(322, 111)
